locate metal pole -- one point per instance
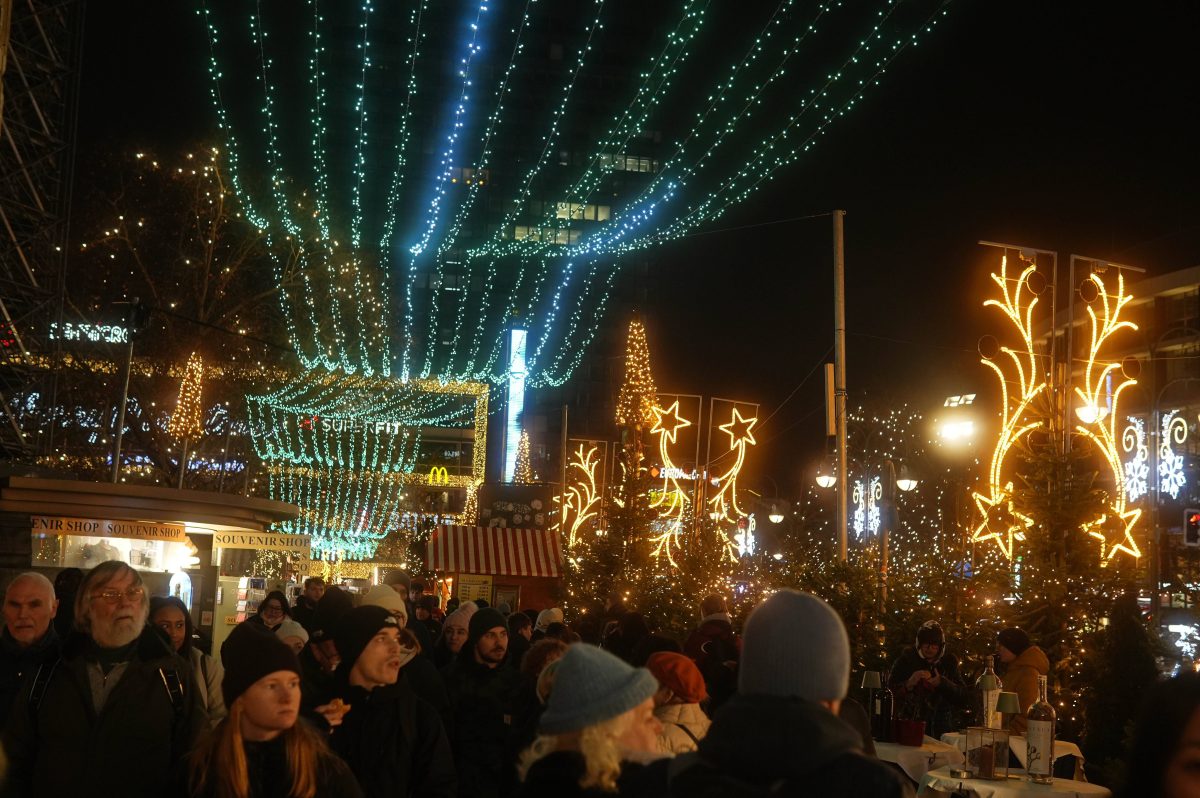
(116, 464)
(839, 384)
(562, 494)
(1069, 357)
(183, 462)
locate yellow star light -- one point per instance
(673, 421)
(1001, 522)
(1114, 530)
(739, 429)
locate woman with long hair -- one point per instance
(170, 615)
(597, 732)
(263, 748)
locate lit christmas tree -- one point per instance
(523, 474)
(635, 403)
(186, 422)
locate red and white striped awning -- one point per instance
(494, 550)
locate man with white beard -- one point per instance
(116, 713)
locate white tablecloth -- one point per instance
(916, 762)
(939, 782)
(1020, 749)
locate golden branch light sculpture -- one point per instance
(999, 519)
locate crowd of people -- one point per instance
(389, 694)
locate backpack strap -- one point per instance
(687, 731)
(171, 681)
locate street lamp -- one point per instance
(905, 480)
(825, 473)
(775, 516)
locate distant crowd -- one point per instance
(106, 690)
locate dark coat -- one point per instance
(303, 613)
(557, 775)
(759, 745)
(133, 747)
(937, 706)
(393, 742)
(266, 764)
(427, 684)
(481, 702)
(17, 661)
(316, 686)
(713, 646)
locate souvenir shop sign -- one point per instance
(107, 528)
(300, 545)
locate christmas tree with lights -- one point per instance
(523, 471)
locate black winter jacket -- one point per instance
(557, 776)
(393, 742)
(767, 745)
(934, 705)
(133, 747)
(481, 701)
(16, 662)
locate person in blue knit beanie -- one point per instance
(781, 735)
(598, 725)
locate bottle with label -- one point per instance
(881, 715)
(987, 689)
(1039, 736)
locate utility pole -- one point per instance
(562, 493)
(839, 384)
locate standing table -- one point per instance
(939, 782)
(916, 762)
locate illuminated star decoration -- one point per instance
(669, 422)
(1114, 530)
(671, 500)
(1114, 527)
(1001, 522)
(741, 433)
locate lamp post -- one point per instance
(956, 430)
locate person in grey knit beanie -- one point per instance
(599, 719)
(795, 645)
(781, 734)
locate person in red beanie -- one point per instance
(677, 703)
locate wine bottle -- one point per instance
(1039, 737)
(988, 687)
(881, 715)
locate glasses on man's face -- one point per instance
(134, 594)
(272, 609)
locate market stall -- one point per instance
(519, 567)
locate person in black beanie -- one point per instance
(263, 748)
(926, 676)
(392, 739)
(483, 685)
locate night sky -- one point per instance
(1067, 126)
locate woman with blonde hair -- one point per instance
(262, 748)
(598, 728)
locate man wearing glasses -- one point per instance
(117, 690)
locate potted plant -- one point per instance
(909, 725)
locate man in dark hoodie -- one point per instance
(780, 735)
(392, 740)
(715, 649)
(483, 686)
(925, 678)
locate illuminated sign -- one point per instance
(516, 400)
(438, 475)
(93, 333)
(104, 528)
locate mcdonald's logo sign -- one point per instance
(438, 476)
